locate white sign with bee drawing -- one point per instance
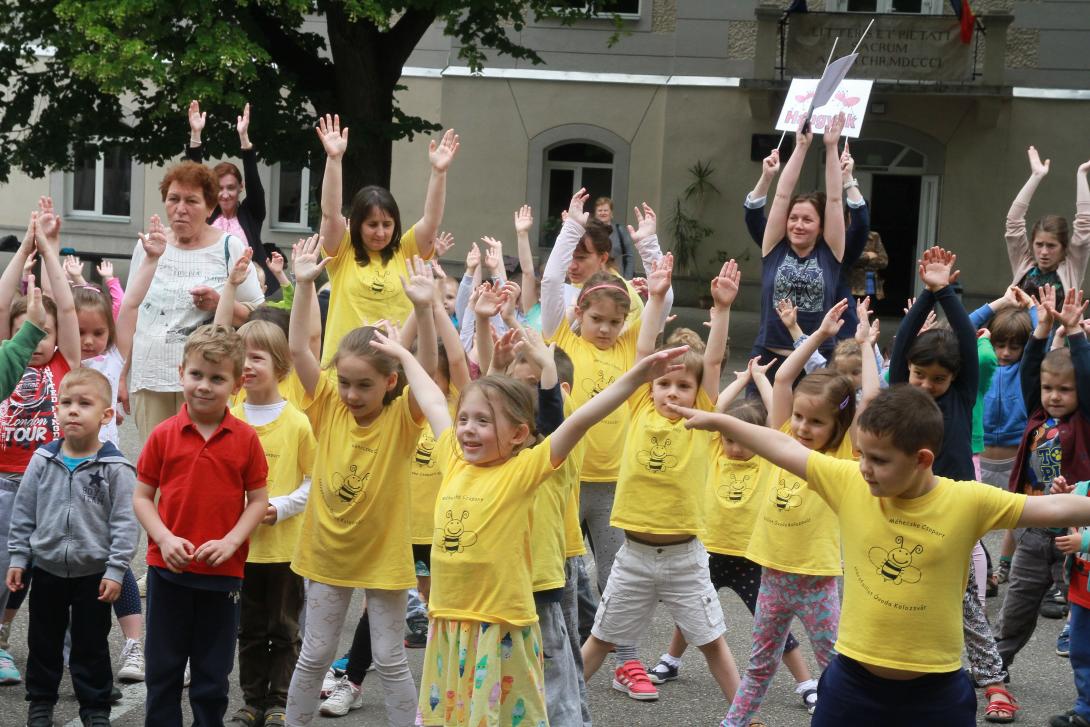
(851, 97)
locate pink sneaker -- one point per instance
(631, 678)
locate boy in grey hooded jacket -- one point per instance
(74, 520)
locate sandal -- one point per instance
(1001, 709)
(246, 716)
(275, 717)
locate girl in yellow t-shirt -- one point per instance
(797, 537)
(356, 523)
(731, 504)
(269, 630)
(658, 506)
(368, 251)
(484, 663)
(602, 349)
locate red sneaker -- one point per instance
(631, 678)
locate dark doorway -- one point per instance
(895, 216)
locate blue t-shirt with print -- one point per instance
(808, 282)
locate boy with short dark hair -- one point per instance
(1056, 389)
(73, 519)
(209, 470)
(907, 535)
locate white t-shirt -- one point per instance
(167, 315)
(109, 364)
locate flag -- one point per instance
(836, 72)
(964, 13)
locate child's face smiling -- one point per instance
(933, 378)
(812, 424)
(258, 374)
(207, 386)
(362, 388)
(1059, 397)
(486, 436)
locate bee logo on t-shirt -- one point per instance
(785, 496)
(592, 387)
(378, 281)
(736, 489)
(349, 486)
(657, 458)
(896, 564)
(454, 536)
(424, 448)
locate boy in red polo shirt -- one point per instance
(209, 471)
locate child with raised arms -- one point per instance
(483, 662)
(659, 506)
(796, 539)
(356, 530)
(907, 535)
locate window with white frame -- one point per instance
(916, 7)
(568, 168)
(292, 195)
(102, 186)
(623, 8)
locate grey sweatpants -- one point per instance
(595, 508)
(561, 684)
(569, 607)
(8, 486)
(1037, 563)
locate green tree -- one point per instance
(80, 75)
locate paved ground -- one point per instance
(1041, 680)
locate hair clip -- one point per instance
(844, 404)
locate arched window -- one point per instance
(572, 165)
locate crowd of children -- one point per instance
(452, 448)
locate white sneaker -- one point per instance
(329, 682)
(346, 696)
(132, 662)
(186, 677)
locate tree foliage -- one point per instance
(80, 75)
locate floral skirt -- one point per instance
(482, 675)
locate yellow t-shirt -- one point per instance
(661, 485)
(549, 535)
(424, 480)
(573, 534)
(795, 531)
(906, 563)
(356, 525)
(289, 450)
(731, 502)
(596, 369)
(363, 294)
(480, 556)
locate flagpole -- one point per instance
(862, 36)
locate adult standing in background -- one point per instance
(618, 235)
(244, 218)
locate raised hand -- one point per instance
(275, 263)
(489, 299)
(493, 255)
(31, 260)
(847, 163)
(660, 276)
(646, 223)
(524, 219)
(1084, 167)
(833, 130)
(725, 285)
(1037, 168)
(73, 268)
(334, 139)
(196, 119)
(640, 286)
(831, 323)
(770, 165)
(105, 270)
(513, 294)
(804, 135)
(49, 224)
(575, 207)
(788, 313)
(420, 287)
(441, 153)
(1070, 316)
(155, 241)
(442, 243)
(241, 268)
(503, 349)
(660, 363)
(242, 125)
(1045, 304)
(937, 268)
(305, 262)
(532, 346)
(862, 330)
(35, 309)
(473, 259)
(757, 369)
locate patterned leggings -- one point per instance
(985, 663)
(782, 596)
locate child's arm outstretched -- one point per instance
(1029, 373)
(776, 227)
(48, 236)
(938, 274)
(724, 288)
(430, 400)
(420, 289)
(225, 308)
(1078, 250)
(659, 277)
(912, 325)
(154, 244)
(334, 140)
(834, 195)
(552, 279)
(647, 244)
(448, 334)
(307, 268)
(1070, 317)
(866, 335)
(778, 448)
(1018, 245)
(582, 419)
(13, 273)
(731, 391)
(783, 386)
(524, 221)
(440, 155)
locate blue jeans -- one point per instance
(848, 694)
(1080, 657)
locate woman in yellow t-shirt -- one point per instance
(356, 524)
(368, 255)
(484, 664)
(797, 537)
